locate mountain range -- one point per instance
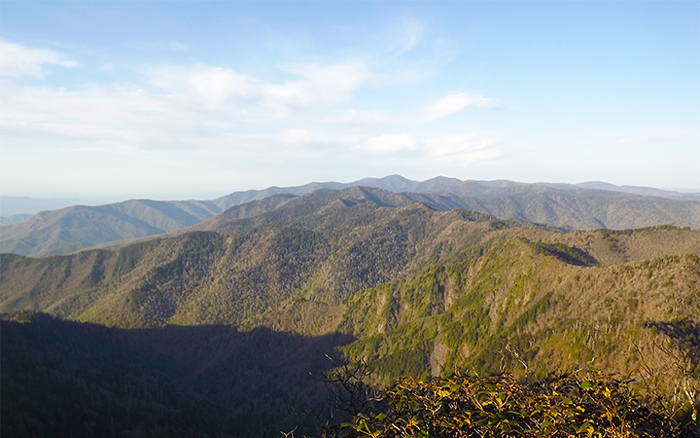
(569, 207)
(301, 263)
(234, 318)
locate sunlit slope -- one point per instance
(327, 252)
(545, 304)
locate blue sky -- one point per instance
(175, 99)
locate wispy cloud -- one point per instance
(17, 60)
(120, 118)
(388, 143)
(464, 149)
(360, 118)
(216, 85)
(455, 151)
(309, 84)
(217, 114)
(456, 102)
(410, 33)
(206, 110)
(179, 47)
(319, 85)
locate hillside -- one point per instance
(556, 205)
(376, 277)
(329, 245)
(73, 228)
(323, 249)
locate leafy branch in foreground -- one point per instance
(590, 404)
(674, 378)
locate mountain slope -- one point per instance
(327, 246)
(323, 247)
(518, 303)
(582, 210)
(77, 227)
(401, 285)
(563, 206)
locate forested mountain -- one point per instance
(392, 279)
(557, 205)
(73, 228)
(323, 247)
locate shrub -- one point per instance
(589, 404)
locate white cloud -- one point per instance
(301, 137)
(17, 60)
(357, 118)
(216, 115)
(313, 86)
(119, 118)
(464, 149)
(320, 85)
(218, 84)
(388, 143)
(129, 120)
(455, 102)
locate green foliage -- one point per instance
(530, 315)
(408, 361)
(574, 405)
(97, 274)
(414, 291)
(171, 284)
(128, 257)
(402, 351)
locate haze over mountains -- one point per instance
(582, 206)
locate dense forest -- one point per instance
(240, 326)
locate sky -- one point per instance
(196, 99)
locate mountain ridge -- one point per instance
(557, 205)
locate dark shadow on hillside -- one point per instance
(567, 254)
(62, 378)
(685, 333)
